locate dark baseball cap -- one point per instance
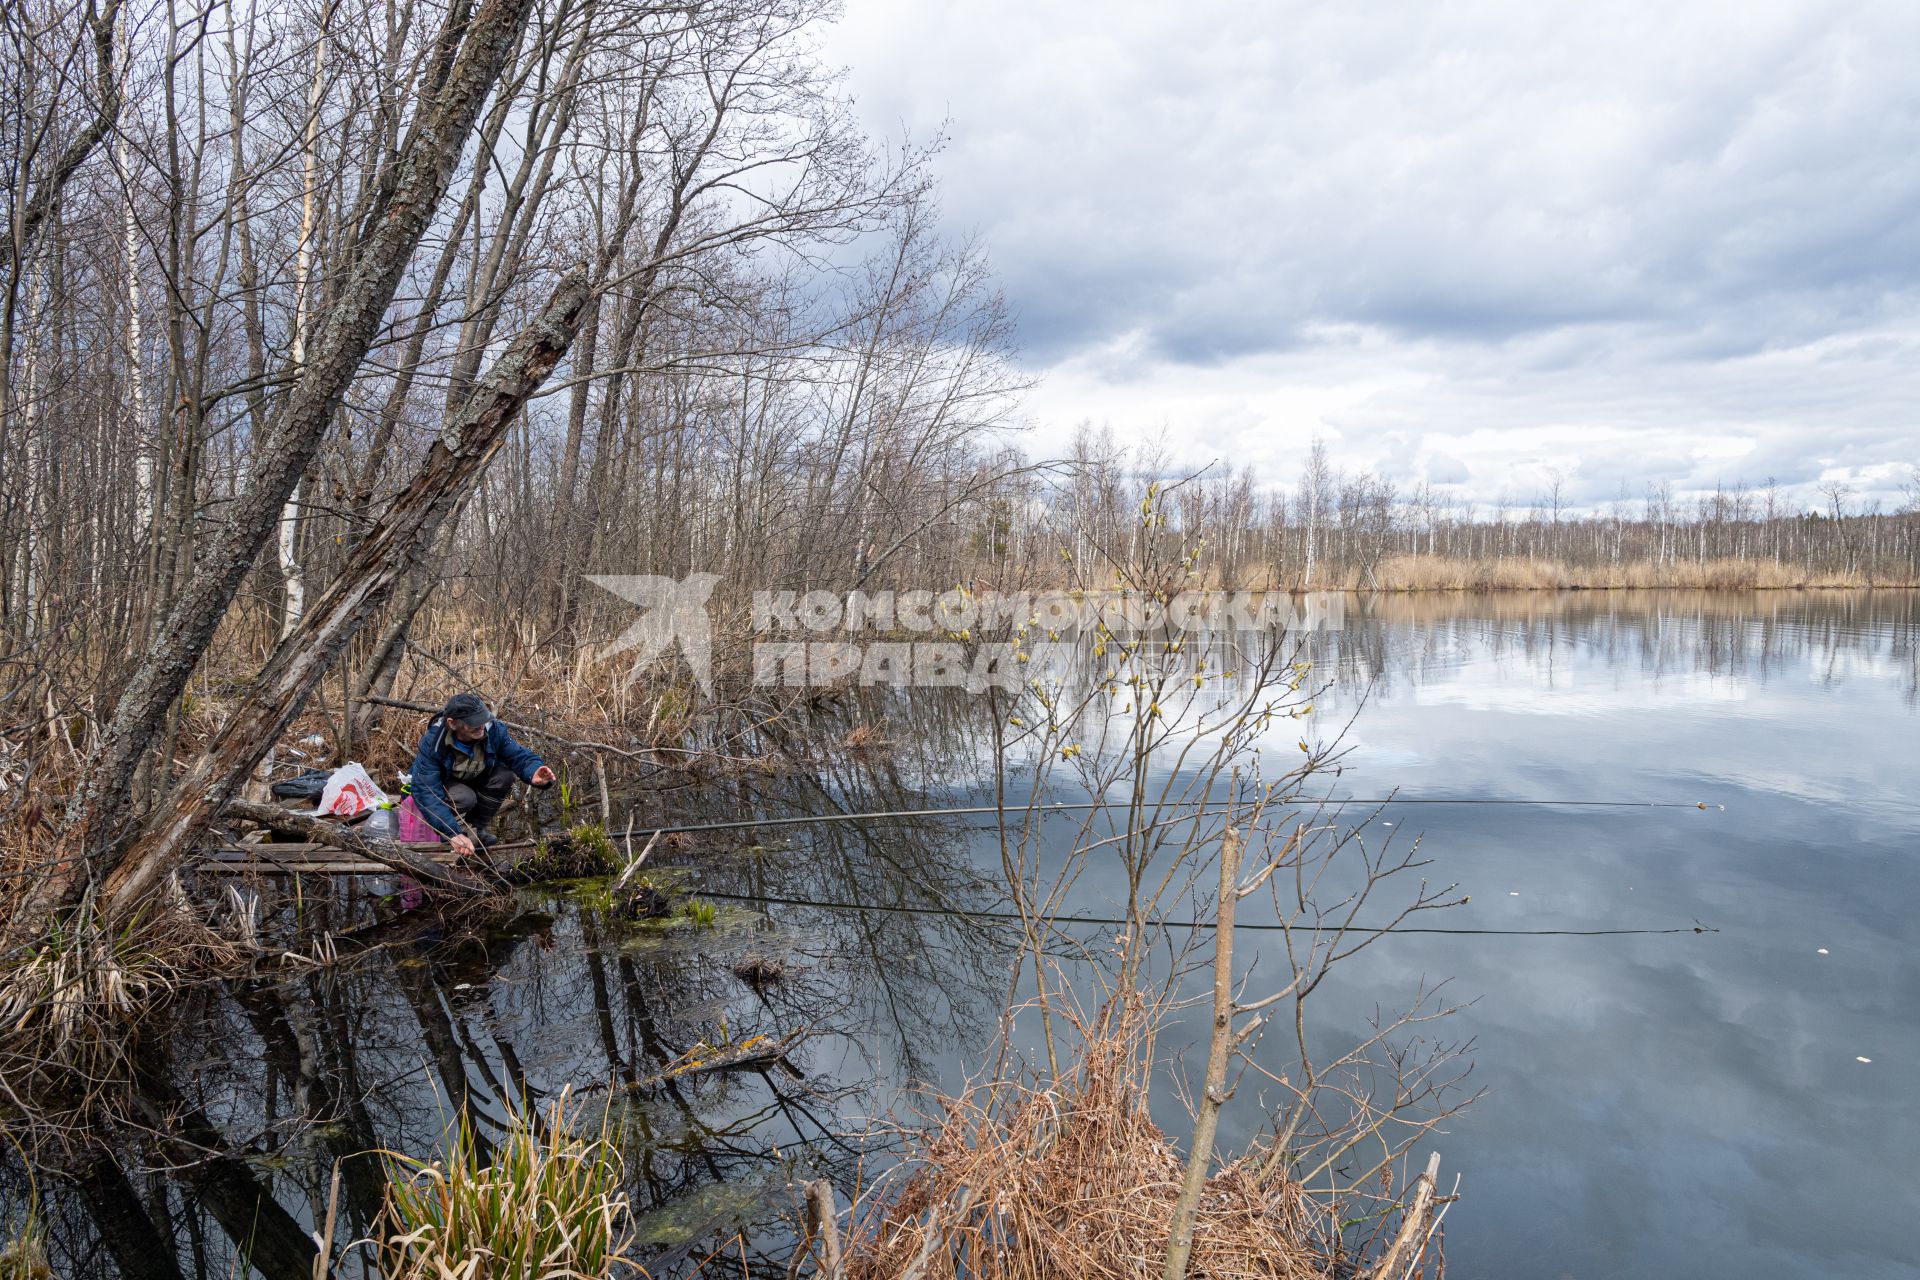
(469, 709)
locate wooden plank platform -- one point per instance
(295, 858)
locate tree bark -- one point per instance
(1219, 1055)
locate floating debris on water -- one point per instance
(1820, 951)
(760, 971)
(1860, 1059)
(646, 901)
(703, 1210)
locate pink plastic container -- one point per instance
(413, 828)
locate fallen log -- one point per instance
(755, 1053)
(447, 877)
(302, 857)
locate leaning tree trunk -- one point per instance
(95, 830)
(452, 465)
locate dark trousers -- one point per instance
(477, 805)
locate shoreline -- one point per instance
(1519, 588)
(1420, 573)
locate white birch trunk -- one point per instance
(35, 449)
(136, 371)
(290, 571)
(1313, 520)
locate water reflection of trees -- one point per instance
(1756, 635)
(257, 1088)
(936, 971)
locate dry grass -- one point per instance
(863, 738)
(1446, 573)
(1017, 1182)
(26, 1257)
(67, 1003)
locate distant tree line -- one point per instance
(1357, 529)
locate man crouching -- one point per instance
(464, 771)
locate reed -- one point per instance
(69, 1001)
(1071, 1179)
(547, 1206)
(1524, 573)
(25, 1256)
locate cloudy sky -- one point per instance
(1470, 243)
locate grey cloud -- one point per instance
(1474, 176)
(1613, 215)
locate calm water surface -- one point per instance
(1690, 1104)
(1674, 1104)
(1668, 1105)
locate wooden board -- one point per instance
(265, 868)
(296, 848)
(300, 858)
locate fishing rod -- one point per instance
(1111, 921)
(1081, 806)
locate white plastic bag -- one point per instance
(350, 791)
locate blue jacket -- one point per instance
(429, 770)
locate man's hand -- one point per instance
(542, 777)
(461, 845)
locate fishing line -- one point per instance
(1110, 921)
(1042, 809)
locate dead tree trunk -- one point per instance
(452, 465)
(96, 826)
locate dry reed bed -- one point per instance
(72, 1004)
(1444, 573)
(1076, 1182)
(25, 1258)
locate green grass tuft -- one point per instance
(549, 1205)
(582, 850)
(26, 1257)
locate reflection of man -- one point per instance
(465, 769)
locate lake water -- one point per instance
(1669, 1104)
(1674, 1103)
